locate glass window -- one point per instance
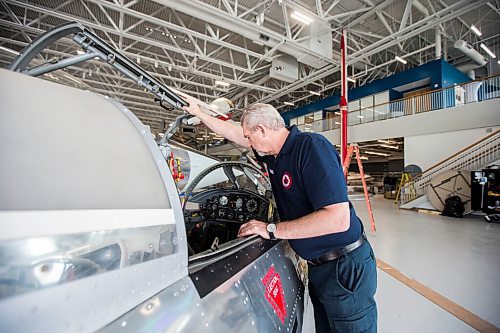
(318, 115)
(352, 117)
(366, 104)
(381, 105)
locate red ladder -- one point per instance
(347, 162)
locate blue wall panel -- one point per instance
(451, 75)
(438, 71)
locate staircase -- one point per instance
(474, 157)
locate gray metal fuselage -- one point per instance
(93, 234)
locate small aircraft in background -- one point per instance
(104, 230)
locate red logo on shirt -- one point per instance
(286, 180)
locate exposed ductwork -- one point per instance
(477, 57)
(468, 69)
(438, 46)
(304, 52)
(470, 52)
(421, 8)
(437, 33)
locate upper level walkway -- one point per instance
(432, 101)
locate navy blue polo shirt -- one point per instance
(306, 176)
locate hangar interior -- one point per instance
(423, 88)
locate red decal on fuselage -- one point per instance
(274, 292)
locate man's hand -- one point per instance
(254, 227)
(193, 108)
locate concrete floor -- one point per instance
(456, 258)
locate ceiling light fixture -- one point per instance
(314, 93)
(476, 30)
(360, 116)
(9, 50)
(376, 153)
(288, 103)
(51, 76)
(363, 157)
(401, 60)
(388, 146)
(484, 47)
(222, 83)
(73, 79)
(386, 141)
(351, 80)
(80, 52)
(301, 17)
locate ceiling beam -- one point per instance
(459, 8)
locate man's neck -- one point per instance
(280, 139)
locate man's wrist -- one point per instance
(271, 230)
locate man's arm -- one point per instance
(228, 130)
(327, 220)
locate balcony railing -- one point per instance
(470, 92)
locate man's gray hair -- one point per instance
(262, 114)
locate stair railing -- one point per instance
(474, 157)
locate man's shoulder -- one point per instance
(315, 144)
(311, 138)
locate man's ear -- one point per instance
(262, 129)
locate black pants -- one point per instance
(342, 293)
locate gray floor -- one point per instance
(457, 258)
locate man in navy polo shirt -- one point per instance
(317, 217)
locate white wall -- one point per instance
(464, 117)
(427, 150)
(431, 136)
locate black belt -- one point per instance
(337, 253)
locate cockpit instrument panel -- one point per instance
(235, 207)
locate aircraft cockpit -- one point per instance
(214, 214)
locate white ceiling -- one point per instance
(190, 44)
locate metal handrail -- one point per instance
(460, 94)
(474, 157)
(465, 93)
